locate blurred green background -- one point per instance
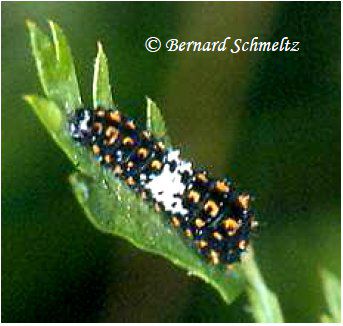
(269, 120)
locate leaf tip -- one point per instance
(30, 24)
(148, 99)
(100, 47)
(53, 25)
(72, 178)
(27, 98)
(101, 56)
(57, 35)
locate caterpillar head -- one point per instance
(79, 125)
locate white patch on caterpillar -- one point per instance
(81, 127)
(85, 121)
(167, 188)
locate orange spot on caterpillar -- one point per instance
(242, 244)
(194, 196)
(199, 222)
(118, 170)
(159, 145)
(96, 149)
(142, 153)
(130, 181)
(100, 113)
(201, 177)
(156, 165)
(115, 116)
(97, 126)
(217, 235)
(211, 208)
(130, 125)
(231, 226)
(188, 233)
(128, 141)
(244, 200)
(214, 257)
(202, 244)
(175, 221)
(108, 158)
(222, 186)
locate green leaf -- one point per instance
(326, 319)
(102, 95)
(155, 122)
(48, 113)
(55, 66)
(332, 292)
(109, 204)
(264, 304)
(115, 209)
(54, 120)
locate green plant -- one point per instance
(332, 292)
(113, 208)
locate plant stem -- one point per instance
(264, 303)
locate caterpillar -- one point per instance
(208, 211)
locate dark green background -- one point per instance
(269, 120)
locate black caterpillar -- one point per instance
(210, 212)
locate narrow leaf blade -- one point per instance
(54, 120)
(326, 319)
(155, 121)
(102, 95)
(67, 74)
(264, 304)
(47, 111)
(332, 292)
(55, 66)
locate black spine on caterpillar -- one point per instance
(208, 211)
